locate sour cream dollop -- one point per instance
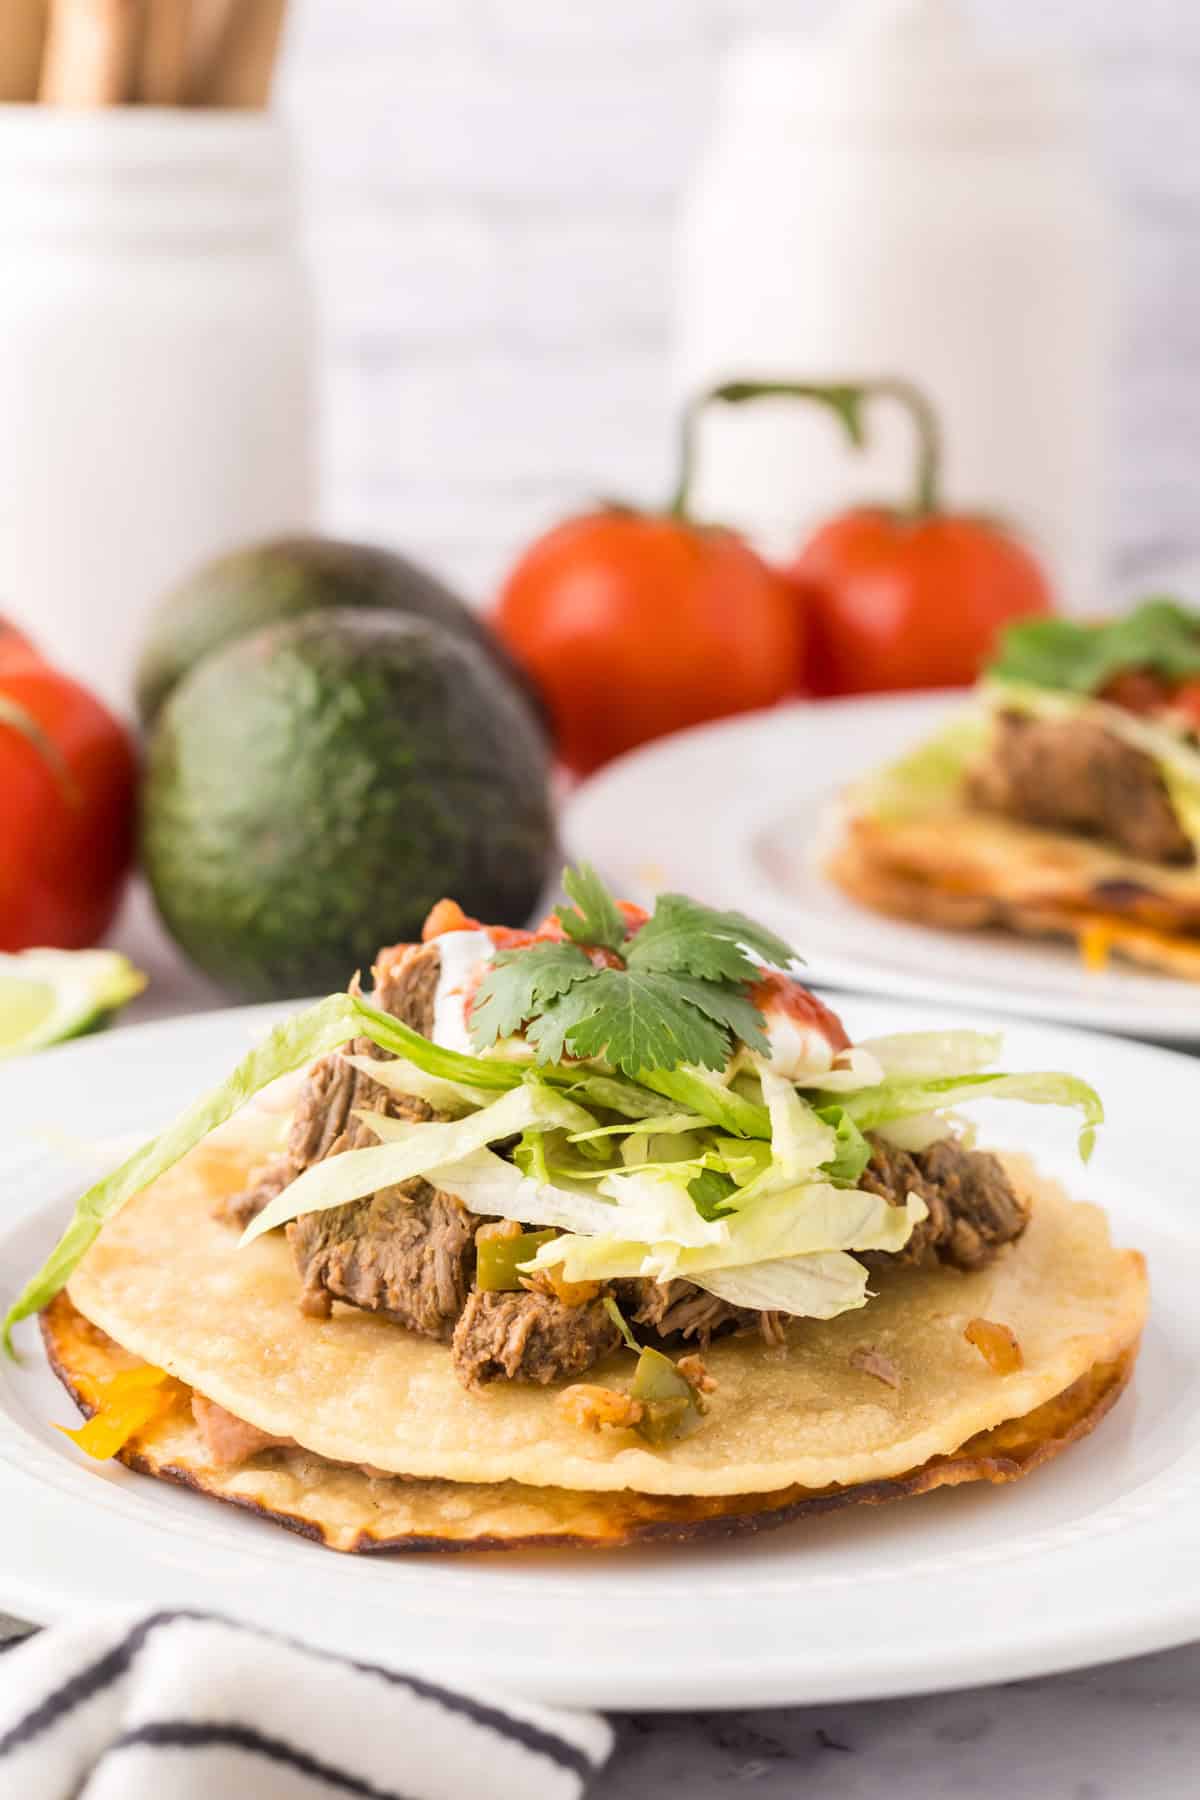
(804, 1034)
(463, 955)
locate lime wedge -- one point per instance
(49, 995)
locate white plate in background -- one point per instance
(1096, 1557)
(734, 812)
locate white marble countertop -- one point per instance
(1101, 1734)
(1130, 1728)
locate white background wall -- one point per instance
(492, 188)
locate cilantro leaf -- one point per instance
(632, 1019)
(1081, 657)
(679, 992)
(595, 917)
(519, 984)
(725, 1006)
(684, 937)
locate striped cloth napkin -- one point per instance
(180, 1705)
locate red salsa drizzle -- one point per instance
(1150, 695)
(775, 992)
(784, 994)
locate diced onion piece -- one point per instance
(593, 1408)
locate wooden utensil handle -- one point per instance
(89, 54)
(22, 33)
(162, 73)
(240, 70)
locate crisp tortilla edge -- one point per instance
(861, 867)
(1006, 1453)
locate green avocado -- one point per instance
(313, 788)
(282, 579)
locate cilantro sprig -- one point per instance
(595, 918)
(644, 996)
(1083, 657)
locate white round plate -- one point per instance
(736, 813)
(1096, 1557)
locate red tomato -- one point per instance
(15, 648)
(447, 915)
(67, 793)
(896, 602)
(633, 626)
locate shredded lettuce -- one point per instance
(811, 1287)
(399, 1076)
(710, 1189)
(657, 1122)
(919, 1132)
(852, 1152)
(654, 1206)
(493, 1188)
(872, 1107)
(450, 1065)
(657, 1149)
(1177, 760)
(737, 1181)
(928, 776)
(529, 1157)
(699, 1090)
(553, 1156)
(927, 1055)
(498, 1072)
(800, 1142)
(854, 1068)
(933, 773)
(297, 1041)
(294, 1044)
(609, 1091)
(618, 1318)
(794, 1222)
(411, 1150)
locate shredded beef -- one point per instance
(681, 1309)
(238, 1209)
(529, 1337)
(874, 1363)
(1076, 776)
(973, 1207)
(324, 1121)
(407, 1251)
(406, 979)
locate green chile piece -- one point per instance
(671, 1410)
(498, 1259)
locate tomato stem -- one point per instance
(846, 400)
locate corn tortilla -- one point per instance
(349, 1510)
(965, 869)
(167, 1281)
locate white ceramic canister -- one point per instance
(889, 200)
(156, 365)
